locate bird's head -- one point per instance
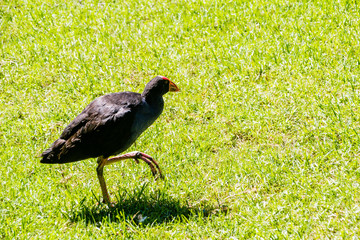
(159, 86)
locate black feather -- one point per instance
(108, 125)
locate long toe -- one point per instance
(153, 170)
(155, 163)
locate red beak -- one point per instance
(173, 87)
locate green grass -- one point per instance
(262, 141)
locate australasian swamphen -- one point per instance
(108, 126)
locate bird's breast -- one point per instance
(144, 118)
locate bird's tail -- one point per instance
(52, 154)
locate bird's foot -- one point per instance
(136, 156)
(110, 205)
(151, 162)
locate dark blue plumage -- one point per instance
(110, 124)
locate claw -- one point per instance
(156, 172)
(151, 162)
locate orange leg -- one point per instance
(137, 155)
(134, 155)
(100, 173)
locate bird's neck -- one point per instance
(154, 100)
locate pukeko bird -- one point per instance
(108, 126)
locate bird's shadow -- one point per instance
(137, 208)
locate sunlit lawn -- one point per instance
(261, 142)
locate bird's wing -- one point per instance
(76, 124)
(108, 108)
(101, 129)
